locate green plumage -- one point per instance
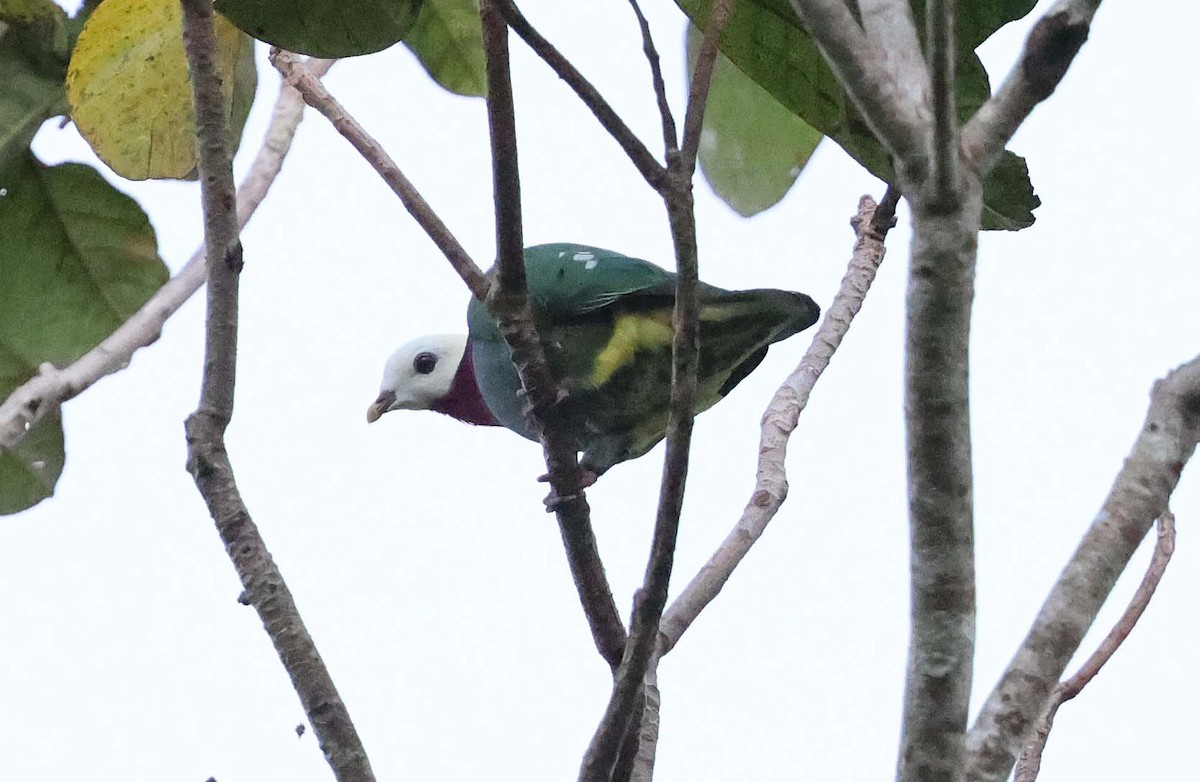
(605, 324)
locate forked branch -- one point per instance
(1030, 761)
(314, 93)
(1139, 496)
(1049, 51)
(508, 302)
(621, 724)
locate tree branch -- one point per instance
(670, 135)
(1138, 496)
(941, 284)
(319, 98)
(643, 161)
(1049, 50)
(643, 762)
(208, 460)
(1030, 761)
(508, 303)
(622, 717)
(942, 55)
(880, 66)
(706, 58)
(871, 225)
(45, 392)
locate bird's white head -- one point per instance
(419, 374)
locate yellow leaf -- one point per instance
(129, 90)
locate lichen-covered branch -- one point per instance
(1138, 497)
(1030, 761)
(871, 224)
(45, 392)
(315, 95)
(208, 460)
(941, 285)
(1049, 50)
(508, 302)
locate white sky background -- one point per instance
(433, 583)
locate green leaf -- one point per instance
(765, 40)
(751, 147)
(324, 28)
(976, 20)
(28, 98)
(77, 257)
(448, 40)
(26, 11)
(130, 92)
(1008, 197)
(245, 87)
(29, 471)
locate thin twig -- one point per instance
(1164, 547)
(693, 120)
(315, 94)
(871, 225)
(1049, 50)
(650, 169)
(939, 23)
(1139, 495)
(45, 392)
(1030, 762)
(509, 305)
(622, 715)
(670, 135)
(208, 460)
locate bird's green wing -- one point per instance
(605, 322)
(572, 281)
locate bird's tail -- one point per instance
(759, 316)
(737, 326)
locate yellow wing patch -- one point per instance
(631, 333)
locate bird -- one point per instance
(605, 323)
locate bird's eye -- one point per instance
(424, 363)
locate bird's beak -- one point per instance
(380, 406)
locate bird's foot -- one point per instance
(588, 477)
(561, 394)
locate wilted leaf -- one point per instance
(751, 147)
(324, 28)
(77, 257)
(448, 40)
(129, 89)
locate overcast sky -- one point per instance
(417, 549)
